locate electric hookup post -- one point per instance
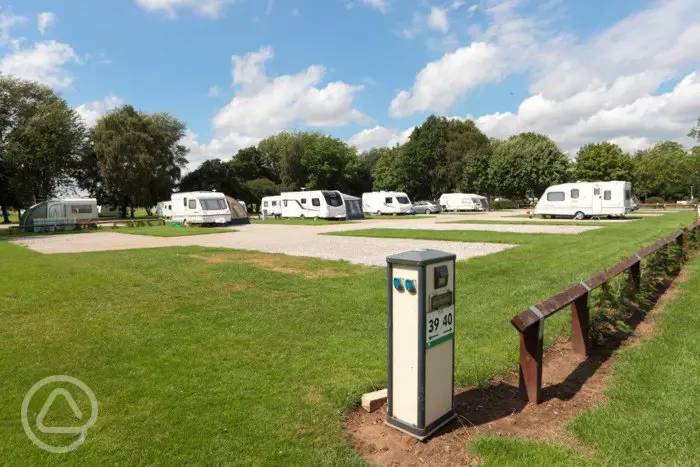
(420, 341)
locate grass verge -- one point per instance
(650, 417)
(169, 230)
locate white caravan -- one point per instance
(586, 199)
(271, 206)
(321, 204)
(386, 202)
(463, 202)
(164, 209)
(200, 207)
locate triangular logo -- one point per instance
(47, 406)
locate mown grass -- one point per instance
(214, 356)
(297, 221)
(493, 288)
(169, 230)
(650, 417)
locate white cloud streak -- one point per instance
(43, 62)
(169, 8)
(44, 21)
(91, 112)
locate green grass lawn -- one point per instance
(216, 356)
(297, 221)
(168, 230)
(650, 417)
(535, 222)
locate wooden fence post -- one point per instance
(531, 362)
(636, 275)
(579, 325)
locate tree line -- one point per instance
(135, 159)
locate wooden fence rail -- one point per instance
(530, 322)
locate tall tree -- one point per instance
(663, 171)
(212, 174)
(138, 156)
(40, 142)
(695, 131)
(525, 164)
(603, 162)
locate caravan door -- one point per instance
(597, 207)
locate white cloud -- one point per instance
(264, 106)
(92, 111)
(381, 5)
(208, 8)
(379, 136)
(7, 22)
(44, 21)
(43, 63)
(249, 69)
(442, 82)
(437, 20)
(603, 88)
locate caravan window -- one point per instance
(316, 201)
(402, 200)
(596, 191)
(265, 203)
(303, 201)
(607, 195)
(555, 196)
(81, 209)
(574, 193)
(388, 200)
(628, 195)
(185, 202)
(213, 204)
(193, 204)
(333, 198)
(285, 203)
(274, 203)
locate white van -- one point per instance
(386, 202)
(586, 199)
(271, 206)
(200, 207)
(463, 202)
(319, 204)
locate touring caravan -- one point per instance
(271, 206)
(386, 202)
(586, 199)
(59, 214)
(164, 209)
(325, 204)
(200, 207)
(463, 202)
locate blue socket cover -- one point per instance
(397, 283)
(410, 285)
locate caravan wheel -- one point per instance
(579, 216)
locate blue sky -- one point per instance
(368, 70)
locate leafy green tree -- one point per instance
(695, 131)
(255, 190)
(40, 142)
(212, 174)
(663, 171)
(139, 157)
(468, 154)
(389, 171)
(251, 163)
(602, 162)
(525, 165)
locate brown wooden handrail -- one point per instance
(530, 322)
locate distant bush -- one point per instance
(655, 200)
(503, 204)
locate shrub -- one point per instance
(655, 200)
(502, 204)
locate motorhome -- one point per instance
(463, 202)
(271, 206)
(200, 207)
(319, 204)
(386, 202)
(586, 199)
(57, 214)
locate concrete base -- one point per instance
(373, 400)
